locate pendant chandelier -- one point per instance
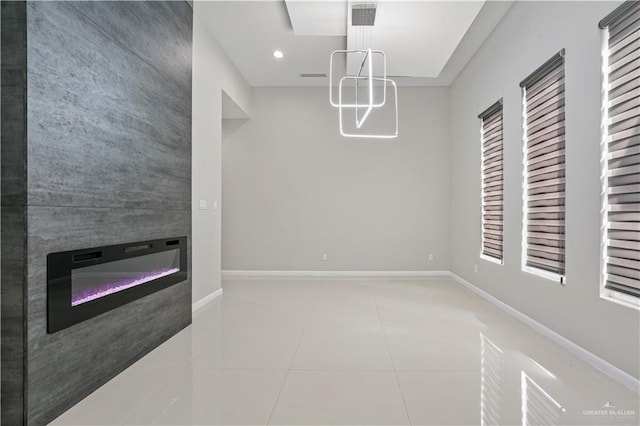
(364, 86)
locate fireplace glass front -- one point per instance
(92, 282)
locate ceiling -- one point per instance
(426, 43)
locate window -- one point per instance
(544, 170)
(492, 186)
(621, 148)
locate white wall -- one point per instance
(213, 72)
(293, 188)
(530, 34)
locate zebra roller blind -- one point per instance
(544, 157)
(622, 162)
(492, 182)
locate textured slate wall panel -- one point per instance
(13, 224)
(106, 129)
(13, 51)
(13, 313)
(154, 31)
(109, 161)
(66, 366)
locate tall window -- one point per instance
(544, 170)
(621, 143)
(492, 182)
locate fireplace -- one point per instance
(84, 283)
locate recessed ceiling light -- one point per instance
(277, 54)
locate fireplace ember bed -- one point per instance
(84, 283)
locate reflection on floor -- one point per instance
(356, 352)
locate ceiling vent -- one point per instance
(312, 75)
(363, 14)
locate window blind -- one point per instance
(622, 124)
(492, 182)
(544, 157)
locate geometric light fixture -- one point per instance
(366, 57)
(393, 133)
(363, 86)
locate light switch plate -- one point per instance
(203, 204)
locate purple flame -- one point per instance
(111, 288)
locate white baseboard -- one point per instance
(598, 363)
(208, 298)
(334, 274)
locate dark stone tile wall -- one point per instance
(106, 128)
(66, 366)
(14, 56)
(13, 313)
(108, 161)
(13, 213)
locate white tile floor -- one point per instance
(355, 352)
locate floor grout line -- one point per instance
(138, 408)
(286, 377)
(395, 372)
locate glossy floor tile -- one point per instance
(335, 351)
(213, 396)
(343, 347)
(340, 397)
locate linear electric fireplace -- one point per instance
(85, 283)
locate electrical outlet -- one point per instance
(430, 256)
(325, 257)
(475, 268)
(203, 205)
